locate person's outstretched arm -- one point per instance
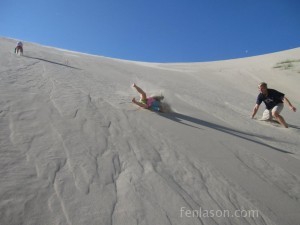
(255, 109)
(290, 105)
(140, 104)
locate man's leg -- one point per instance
(276, 113)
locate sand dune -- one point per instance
(75, 150)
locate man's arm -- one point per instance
(255, 109)
(289, 103)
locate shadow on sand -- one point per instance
(48, 61)
(180, 118)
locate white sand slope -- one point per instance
(75, 150)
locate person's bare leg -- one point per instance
(139, 90)
(280, 119)
(139, 103)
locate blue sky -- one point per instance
(156, 30)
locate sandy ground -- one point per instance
(75, 150)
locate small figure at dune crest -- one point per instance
(19, 48)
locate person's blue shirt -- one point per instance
(271, 100)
